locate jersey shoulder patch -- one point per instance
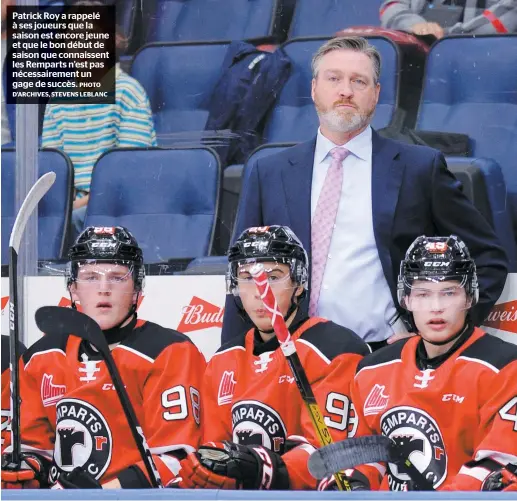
(491, 350)
(46, 343)
(333, 340)
(151, 339)
(386, 354)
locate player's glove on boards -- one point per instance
(32, 473)
(226, 465)
(76, 479)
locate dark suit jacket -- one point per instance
(413, 194)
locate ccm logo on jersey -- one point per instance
(437, 264)
(451, 397)
(83, 438)
(418, 435)
(285, 379)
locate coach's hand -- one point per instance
(30, 474)
(398, 336)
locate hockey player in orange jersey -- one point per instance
(73, 427)
(259, 432)
(448, 397)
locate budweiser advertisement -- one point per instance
(194, 305)
(502, 320)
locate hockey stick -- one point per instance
(36, 193)
(361, 450)
(54, 320)
(293, 360)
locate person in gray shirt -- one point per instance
(450, 17)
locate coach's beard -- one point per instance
(344, 121)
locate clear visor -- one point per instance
(278, 273)
(435, 296)
(97, 274)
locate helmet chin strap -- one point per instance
(290, 311)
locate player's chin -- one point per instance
(106, 320)
(434, 335)
(262, 323)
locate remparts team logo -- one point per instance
(83, 438)
(255, 423)
(200, 314)
(421, 441)
(503, 316)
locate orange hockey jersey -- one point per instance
(6, 391)
(456, 422)
(71, 414)
(250, 396)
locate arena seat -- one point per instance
(470, 86)
(168, 197)
(294, 119)
(484, 185)
(232, 182)
(54, 210)
(179, 79)
(195, 20)
(332, 16)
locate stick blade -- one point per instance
(348, 454)
(56, 320)
(36, 193)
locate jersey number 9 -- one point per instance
(175, 400)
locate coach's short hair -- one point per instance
(357, 44)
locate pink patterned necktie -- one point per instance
(323, 224)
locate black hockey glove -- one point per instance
(504, 479)
(228, 465)
(76, 479)
(32, 473)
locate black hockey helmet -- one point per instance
(438, 259)
(267, 243)
(114, 244)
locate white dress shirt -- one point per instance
(354, 291)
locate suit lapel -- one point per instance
(387, 172)
(297, 181)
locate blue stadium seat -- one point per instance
(168, 198)
(484, 185)
(54, 210)
(190, 20)
(471, 87)
(232, 183)
(326, 17)
(294, 119)
(179, 80)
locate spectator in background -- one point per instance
(443, 17)
(86, 131)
